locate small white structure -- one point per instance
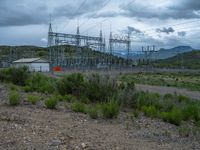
(33, 64)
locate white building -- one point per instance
(34, 64)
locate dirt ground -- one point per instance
(28, 127)
(165, 90)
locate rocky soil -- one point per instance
(28, 127)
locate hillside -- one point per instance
(189, 60)
(165, 53)
(9, 54)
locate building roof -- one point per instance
(31, 60)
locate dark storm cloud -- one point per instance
(183, 9)
(16, 13)
(182, 33)
(165, 30)
(25, 12)
(134, 30)
(73, 10)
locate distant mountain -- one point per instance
(165, 53)
(189, 60)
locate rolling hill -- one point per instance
(9, 53)
(165, 53)
(189, 60)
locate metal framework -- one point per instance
(120, 40)
(57, 40)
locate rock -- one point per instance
(83, 145)
(56, 142)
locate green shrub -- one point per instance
(93, 112)
(175, 116)
(79, 107)
(168, 103)
(26, 89)
(71, 84)
(100, 88)
(136, 113)
(147, 99)
(110, 109)
(183, 99)
(51, 103)
(33, 99)
(14, 98)
(41, 83)
(16, 76)
(69, 98)
(192, 111)
(184, 131)
(13, 87)
(150, 111)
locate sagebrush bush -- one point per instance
(16, 76)
(110, 109)
(14, 98)
(71, 84)
(93, 112)
(192, 111)
(69, 98)
(33, 99)
(27, 89)
(175, 116)
(183, 99)
(51, 103)
(99, 88)
(79, 107)
(12, 87)
(147, 99)
(41, 83)
(150, 111)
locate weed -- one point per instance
(93, 112)
(14, 98)
(79, 107)
(69, 98)
(175, 116)
(51, 103)
(110, 109)
(33, 99)
(71, 84)
(184, 130)
(150, 111)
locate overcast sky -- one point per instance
(164, 23)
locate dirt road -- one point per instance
(164, 90)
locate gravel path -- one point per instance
(164, 90)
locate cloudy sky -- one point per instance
(164, 23)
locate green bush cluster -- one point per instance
(16, 76)
(33, 99)
(110, 109)
(51, 103)
(40, 83)
(79, 107)
(14, 98)
(173, 109)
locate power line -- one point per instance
(75, 12)
(105, 4)
(130, 3)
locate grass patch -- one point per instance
(110, 109)
(51, 103)
(14, 98)
(79, 107)
(33, 99)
